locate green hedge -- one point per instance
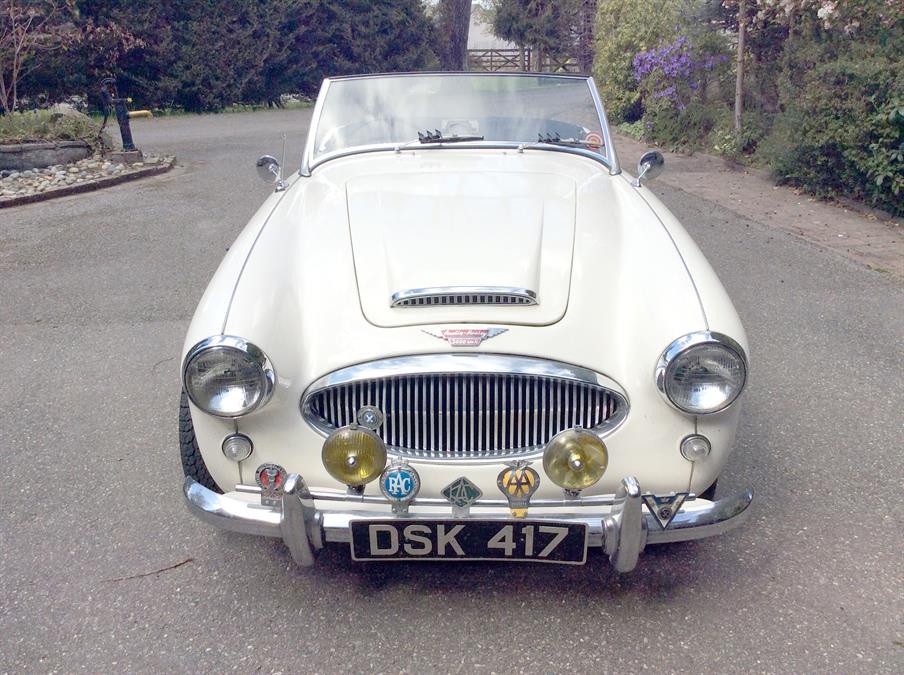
(840, 131)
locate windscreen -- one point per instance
(472, 107)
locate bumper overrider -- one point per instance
(621, 524)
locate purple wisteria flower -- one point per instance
(670, 70)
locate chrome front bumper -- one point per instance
(623, 531)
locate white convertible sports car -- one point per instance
(460, 331)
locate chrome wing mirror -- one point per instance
(270, 172)
(649, 166)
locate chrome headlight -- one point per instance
(702, 373)
(227, 376)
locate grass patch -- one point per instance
(633, 129)
(47, 126)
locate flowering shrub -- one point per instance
(674, 72)
(675, 80)
(624, 28)
(850, 16)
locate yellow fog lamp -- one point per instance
(575, 459)
(354, 455)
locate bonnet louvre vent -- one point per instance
(489, 295)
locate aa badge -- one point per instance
(518, 483)
(664, 509)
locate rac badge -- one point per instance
(518, 483)
(400, 484)
(465, 337)
(664, 509)
(462, 493)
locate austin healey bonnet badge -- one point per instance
(465, 337)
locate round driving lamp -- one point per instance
(702, 373)
(354, 455)
(575, 459)
(227, 376)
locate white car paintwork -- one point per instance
(309, 281)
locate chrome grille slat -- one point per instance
(467, 415)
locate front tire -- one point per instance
(192, 462)
(710, 492)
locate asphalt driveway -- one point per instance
(96, 292)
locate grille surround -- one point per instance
(485, 406)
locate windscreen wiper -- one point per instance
(437, 137)
(558, 140)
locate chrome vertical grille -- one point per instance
(468, 415)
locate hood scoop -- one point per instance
(451, 247)
(464, 295)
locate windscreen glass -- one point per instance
(457, 108)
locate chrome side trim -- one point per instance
(232, 342)
(463, 295)
(692, 340)
(467, 364)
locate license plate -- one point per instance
(527, 540)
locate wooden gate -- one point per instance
(497, 60)
(512, 60)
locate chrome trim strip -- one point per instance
(611, 155)
(521, 296)
(232, 342)
(692, 340)
(312, 129)
(421, 73)
(480, 145)
(492, 365)
(460, 362)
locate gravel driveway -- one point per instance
(96, 292)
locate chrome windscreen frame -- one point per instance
(475, 364)
(609, 160)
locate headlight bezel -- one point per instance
(691, 341)
(247, 349)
